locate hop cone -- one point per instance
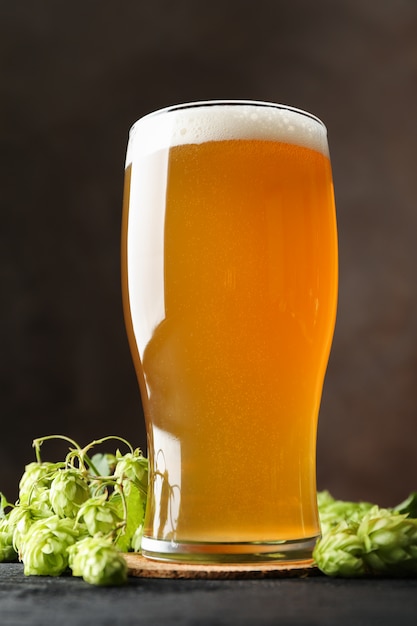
(40, 501)
(7, 551)
(98, 562)
(133, 466)
(99, 515)
(339, 552)
(332, 511)
(36, 477)
(69, 489)
(20, 519)
(389, 542)
(44, 548)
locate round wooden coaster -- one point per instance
(142, 567)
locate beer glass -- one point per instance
(229, 265)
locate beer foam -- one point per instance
(201, 122)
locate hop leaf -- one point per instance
(132, 470)
(339, 552)
(103, 464)
(136, 541)
(69, 489)
(135, 502)
(44, 548)
(99, 515)
(98, 562)
(409, 505)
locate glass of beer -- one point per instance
(229, 271)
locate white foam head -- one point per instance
(224, 120)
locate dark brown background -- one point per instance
(74, 77)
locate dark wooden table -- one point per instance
(318, 600)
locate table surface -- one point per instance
(66, 600)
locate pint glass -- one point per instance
(229, 266)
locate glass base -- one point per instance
(245, 552)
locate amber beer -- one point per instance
(230, 290)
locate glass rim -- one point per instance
(226, 102)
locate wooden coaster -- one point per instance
(142, 567)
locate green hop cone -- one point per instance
(135, 467)
(389, 542)
(44, 548)
(7, 550)
(99, 515)
(98, 562)
(22, 517)
(40, 502)
(332, 512)
(36, 477)
(339, 552)
(69, 489)
(20, 520)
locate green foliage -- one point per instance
(409, 505)
(332, 511)
(69, 490)
(98, 562)
(7, 551)
(44, 548)
(100, 515)
(129, 497)
(362, 539)
(78, 514)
